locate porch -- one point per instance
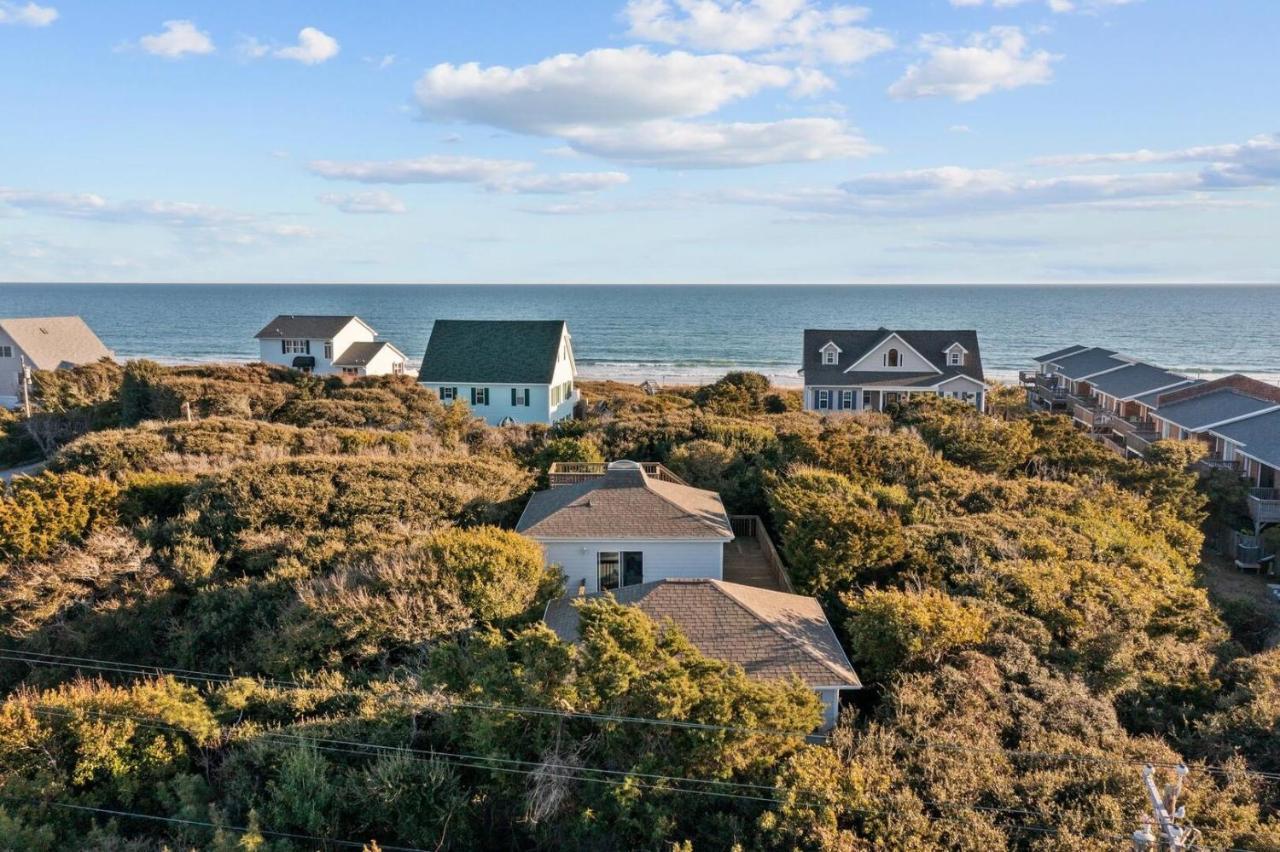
(1137, 434)
(1088, 413)
(1045, 391)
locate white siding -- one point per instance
(909, 361)
(10, 369)
(500, 407)
(354, 331)
(663, 560)
(384, 363)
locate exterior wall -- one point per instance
(909, 361)
(270, 349)
(566, 371)
(384, 363)
(955, 388)
(663, 560)
(830, 699)
(500, 407)
(10, 370)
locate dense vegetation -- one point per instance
(321, 626)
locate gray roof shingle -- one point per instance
(1135, 379)
(1200, 411)
(360, 354)
(771, 635)
(492, 351)
(1150, 399)
(54, 342)
(1259, 436)
(625, 504)
(1060, 353)
(304, 327)
(1088, 362)
(855, 343)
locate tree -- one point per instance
(891, 630)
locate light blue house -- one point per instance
(508, 371)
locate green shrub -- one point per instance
(890, 630)
(37, 513)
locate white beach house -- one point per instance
(508, 371)
(43, 343)
(856, 370)
(328, 346)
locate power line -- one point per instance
(136, 670)
(203, 824)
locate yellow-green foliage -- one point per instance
(37, 513)
(890, 630)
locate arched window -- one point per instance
(892, 359)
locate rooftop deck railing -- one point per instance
(1264, 505)
(571, 473)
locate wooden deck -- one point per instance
(750, 559)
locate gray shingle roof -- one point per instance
(302, 326)
(53, 342)
(1201, 411)
(771, 635)
(625, 504)
(492, 351)
(1086, 363)
(1135, 379)
(855, 343)
(1059, 353)
(1150, 399)
(1259, 436)
(360, 354)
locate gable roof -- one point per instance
(1136, 379)
(307, 326)
(492, 351)
(1259, 437)
(930, 344)
(53, 342)
(1059, 353)
(359, 354)
(1089, 362)
(625, 504)
(771, 635)
(1197, 412)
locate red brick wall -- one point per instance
(1236, 382)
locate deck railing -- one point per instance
(1264, 505)
(1214, 463)
(751, 526)
(571, 473)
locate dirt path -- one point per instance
(24, 470)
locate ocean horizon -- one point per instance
(693, 333)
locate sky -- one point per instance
(640, 141)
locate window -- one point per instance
(328, 350)
(892, 358)
(6, 351)
(955, 358)
(866, 399)
(830, 356)
(561, 392)
(295, 347)
(607, 571)
(822, 399)
(632, 568)
(520, 396)
(448, 394)
(350, 371)
(846, 399)
(479, 396)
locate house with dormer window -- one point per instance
(865, 370)
(328, 346)
(508, 371)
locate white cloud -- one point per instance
(381, 62)
(681, 144)
(960, 128)
(1252, 163)
(27, 14)
(251, 48)
(988, 62)
(515, 176)
(786, 30)
(313, 47)
(609, 86)
(213, 224)
(626, 104)
(178, 39)
(1059, 6)
(372, 201)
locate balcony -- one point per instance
(571, 473)
(1264, 505)
(1044, 391)
(1206, 465)
(1111, 443)
(1087, 413)
(751, 559)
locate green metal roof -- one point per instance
(492, 351)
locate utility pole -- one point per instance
(1165, 815)
(24, 381)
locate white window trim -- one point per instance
(294, 346)
(955, 359)
(447, 393)
(822, 399)
(6, 351)
(893, 336)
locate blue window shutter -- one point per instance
(308, 345)
(513, 397)
(526, 396)
(473, 396)
(283, 349)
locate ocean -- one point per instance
(694, 333)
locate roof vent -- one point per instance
(625, 464)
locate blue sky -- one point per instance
(664, 141)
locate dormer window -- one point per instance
(955, 355)
(893, 358)
(830, 354)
